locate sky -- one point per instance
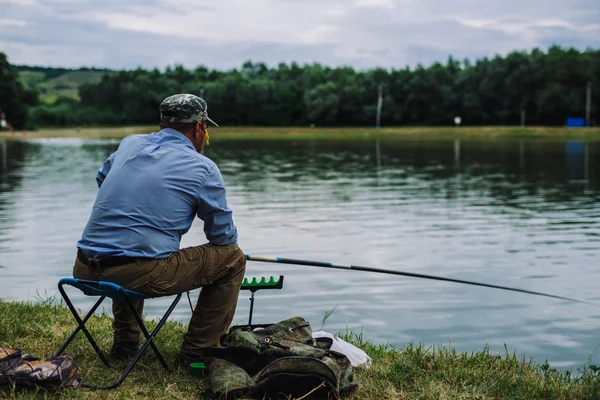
(223, 34)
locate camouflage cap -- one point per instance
(184, 108)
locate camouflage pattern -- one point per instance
(295, 329)
(317, 373)
(232, 380)
(280, 357)
(184, 108)
(27, 370)
(9, 359)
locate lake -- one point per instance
(522, 214)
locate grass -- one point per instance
(299, 133)
(412, 372)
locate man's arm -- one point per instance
(213, 210)
(104, 170)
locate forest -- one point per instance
(538, 87)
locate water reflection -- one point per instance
(520, 213)
(505, 169)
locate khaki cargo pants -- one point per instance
(219, 270)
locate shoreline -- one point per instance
(412, 372)
(303, 133)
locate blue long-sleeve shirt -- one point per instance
(150, 190)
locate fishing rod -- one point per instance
(321, 264)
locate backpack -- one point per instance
(278, 361)
(27, 370)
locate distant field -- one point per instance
(64, 85)
(295, 133)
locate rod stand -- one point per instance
(251, 307)
(256, 285)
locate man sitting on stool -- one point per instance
(150, 191)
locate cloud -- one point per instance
(361, 33)
(12, 22)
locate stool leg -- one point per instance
(150, 337)
(149, 342)
(81, 326)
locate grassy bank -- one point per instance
(295, 133)
(413, 372)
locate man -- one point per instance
(150, 190)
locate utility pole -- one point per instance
(588, 105)
(379, 104)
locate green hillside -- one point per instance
(53, 83)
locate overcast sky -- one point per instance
(224, 33)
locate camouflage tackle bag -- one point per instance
(27, 370)
(279, 361)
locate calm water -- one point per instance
(522, 214)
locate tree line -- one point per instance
(536, 87)
(14, 98)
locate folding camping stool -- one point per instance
(115, 292)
